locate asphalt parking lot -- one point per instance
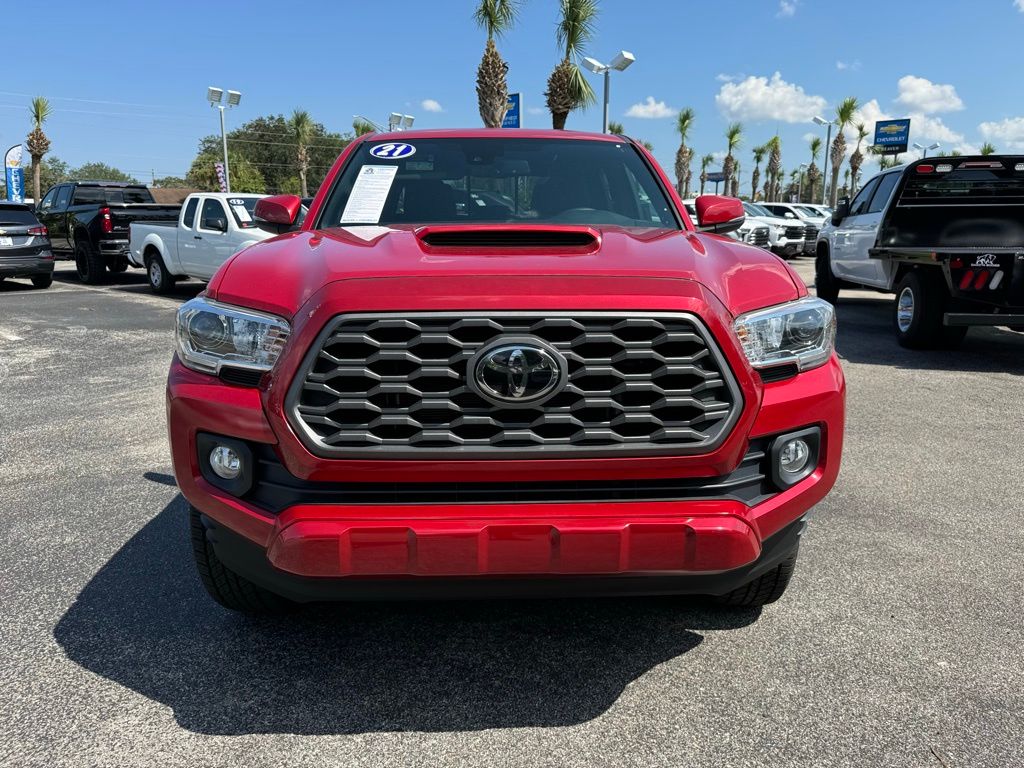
(898, 644)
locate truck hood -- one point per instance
(775, 221)
(281, 274)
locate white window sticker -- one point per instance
(241, 213)
(369, 193)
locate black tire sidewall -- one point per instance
(165, 279)
(825, 284)
(930, 298)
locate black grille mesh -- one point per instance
(396, 385)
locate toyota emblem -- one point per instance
(517, 373)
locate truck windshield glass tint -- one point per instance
(501, 180)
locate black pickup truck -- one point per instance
(89, 220)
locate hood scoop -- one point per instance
(571, 240)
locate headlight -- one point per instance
(211, 335)
(801, 332)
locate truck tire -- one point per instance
(42, 281)
(921, 299)
(89, 265)
(825, 283)
(161, 281)
(765, 589)
(226, 587)
(120, 265)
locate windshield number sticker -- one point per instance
(393, 151)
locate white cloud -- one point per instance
(651, 109)
(431, 105)
(725, 77)
(762, 98)
(922, 95)
(1008, 132)
(536, 111)
(810, 135)
(788, 7)
(1019, 4)
(922, 127)
(853, 66)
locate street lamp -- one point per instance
(399, 122)
(215, 96)
(925, 150)
(622, 60)
(828, 140)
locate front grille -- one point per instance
(810, 234)
(395, 386)
(794, 233)
(275, 488)
(759, 236)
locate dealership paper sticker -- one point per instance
(369, 193)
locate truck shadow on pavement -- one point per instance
(866, 335)
(144, 621)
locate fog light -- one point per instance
(225, 462)
(793, 456)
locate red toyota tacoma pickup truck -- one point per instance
(501, 363)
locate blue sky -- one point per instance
(134, 96)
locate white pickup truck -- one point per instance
(211, 227)
(945, 235)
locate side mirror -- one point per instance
(719, 214)
(217, 224)
(278, 212)
(841, 212)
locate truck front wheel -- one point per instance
(921, 299)
(765, 589)
(224, 585)
(825, 283)
(160, 280)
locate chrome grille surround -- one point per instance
(393, 386)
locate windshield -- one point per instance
(809, 212)
(757, 210)
(243, 208)
(499, 180)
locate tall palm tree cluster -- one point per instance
(567, 90)
(804, 182)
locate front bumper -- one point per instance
(26, 266)
(317, 551)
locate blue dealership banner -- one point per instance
(892, 136)
(514, 113)
(15, 176)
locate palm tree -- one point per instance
(846, 183)
(616, 128)
(774, 181)
(988, 149)
(684, 124)
(844, 114)
(362, 127)
(857, 158)
(813, 171)
(704, 163)
(301, 126)
(496, 17)
(38, 144)
(568, 89)
(733, 137)
(733, 189)
(759, 153)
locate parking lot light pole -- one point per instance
(215, 96)
(622, 60)
(925, 150)
(828, 140)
